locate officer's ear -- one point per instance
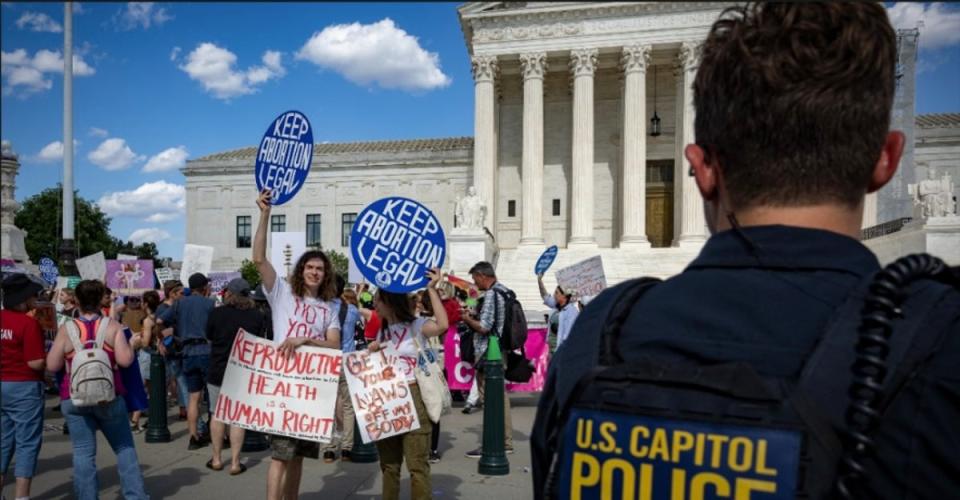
(888, 162)
(706, 173)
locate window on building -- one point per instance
(556, 206)
(346, 225)
(511, 208)
(313, 230)
(278, 223)
(243, 231)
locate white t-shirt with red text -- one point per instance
(398, 341)
(299, 317)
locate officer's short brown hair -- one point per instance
(793, 100)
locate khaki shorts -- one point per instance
(287, 448)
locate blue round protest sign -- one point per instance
(546, 260)
(48, 269)
(284, 156)
(395, 241)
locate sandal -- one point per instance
(241, 470)
(214, 467)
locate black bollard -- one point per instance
(493, 462)
(362, 453)
(157, 431)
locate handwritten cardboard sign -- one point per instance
(585, 278)
(284, 156)
(92, 267)
(165, 274)
(266, 392)
(395, 241)
(380, 395)
(460, 373)
(196, 259)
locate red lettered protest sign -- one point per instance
(264, 391)
(381, 397)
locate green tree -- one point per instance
(249, 272)
(41, 216)
(341, 263)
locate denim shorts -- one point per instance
(195, 372)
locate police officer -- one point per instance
(793, 107)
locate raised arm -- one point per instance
(267, 273)
(543, 289)
(440, 323)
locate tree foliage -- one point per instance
(249, 272)
(341, 263)
(41, 216)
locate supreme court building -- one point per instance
(565, 151)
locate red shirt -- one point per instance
(372, 327)
(453, 311)
(21, 340)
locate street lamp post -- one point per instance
(493, 461)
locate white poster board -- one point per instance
(165, 274)
(92, 267)
(583, 278)
(266, 392)
(353, 272)
(123, 256)
(196, 259)
(285, 249)
(380, 395)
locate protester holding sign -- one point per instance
(567, 311)
(302, 315)
(399, 336)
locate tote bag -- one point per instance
(433, 385)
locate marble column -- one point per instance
(583, 65)
(534, 66)
(485, 69)
(633, 189)
(692, 227)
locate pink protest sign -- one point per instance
(460, 374)
(130, 276)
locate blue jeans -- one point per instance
(111, 419)
(21, 423)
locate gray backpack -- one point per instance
(91, 372)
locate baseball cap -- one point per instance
(239, 286)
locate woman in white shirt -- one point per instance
(399, 334)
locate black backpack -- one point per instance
(656, 430)
(514, 334)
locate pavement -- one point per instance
(171, 471)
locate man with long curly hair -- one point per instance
(302, 315)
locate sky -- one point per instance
(157, 84)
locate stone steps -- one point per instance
(515, 268)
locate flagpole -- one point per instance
(67, 245)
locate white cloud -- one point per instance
(161, 217)
(213, 66)
(168, 159)
(29, 73)
(148, 234)
(38, 21)
(140, 15)
(939, 25)
(98, 132)
(159, 201)
(114, 154)
(379, 53)
(174, 53)
(53, 152)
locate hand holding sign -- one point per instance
(263, 201)
(394, 241)
(284, 156)
(545, 261)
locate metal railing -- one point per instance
(884, 229)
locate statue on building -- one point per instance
(934, 196)
(470, 211)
